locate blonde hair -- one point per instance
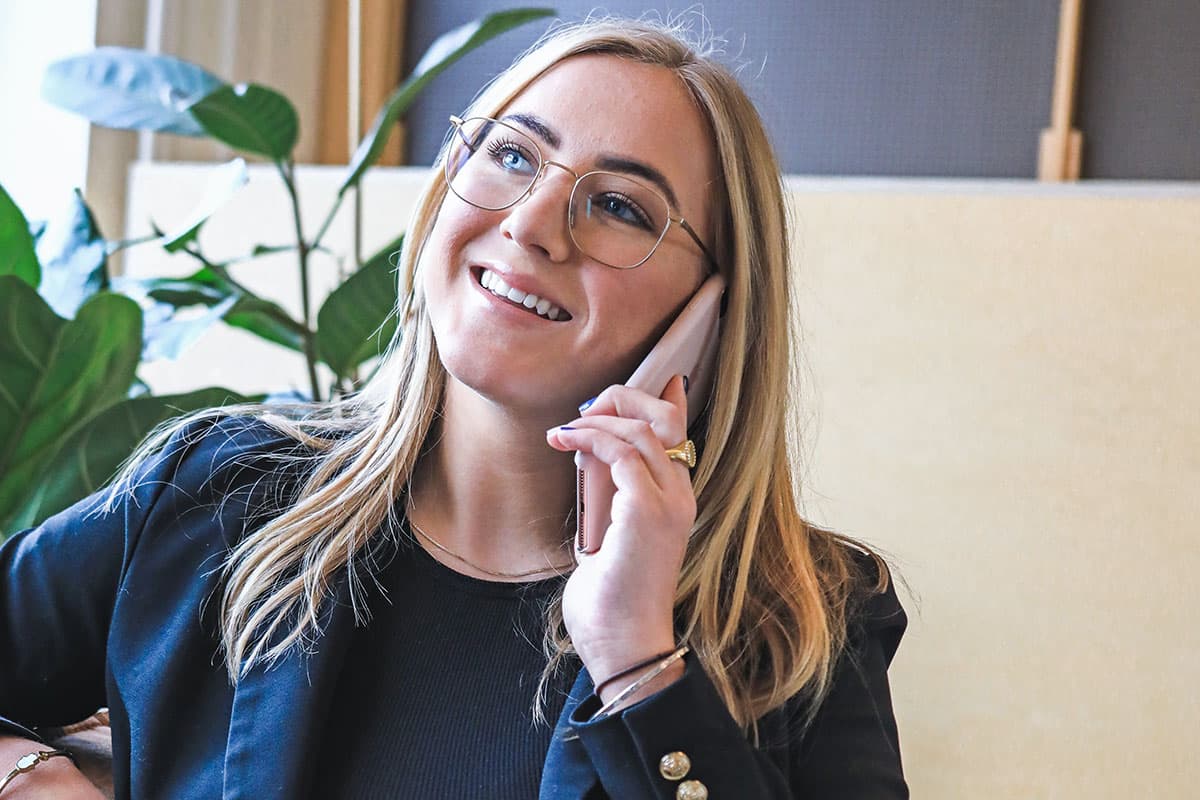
(763, 594)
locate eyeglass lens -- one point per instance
(612, 218)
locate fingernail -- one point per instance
(685, 384)
(586, 404)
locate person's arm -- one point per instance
(58, 586)
(851, 750)
(55, 778)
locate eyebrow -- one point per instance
(536, 125)
(607, 162)
(642, 171)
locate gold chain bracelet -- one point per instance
(29, 761)
(639, 683)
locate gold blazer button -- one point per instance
(691, 790)
(674, 766)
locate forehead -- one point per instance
(602, 105)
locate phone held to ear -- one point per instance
(689, 347)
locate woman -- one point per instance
(361, 568)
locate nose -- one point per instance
(539, 220)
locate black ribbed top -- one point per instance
(434, 699)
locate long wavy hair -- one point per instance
(763, 595)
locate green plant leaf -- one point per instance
(445, 50)
(356, 322)
(118, 87)
(223, 183)
(56, 375)
(169, 335)
(36, 228)
(269, 249)
(74, 255)
(92, 455)
(17, 256)
(252, 313)
(267, 321)
(250, 117)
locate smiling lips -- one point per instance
(530, 302)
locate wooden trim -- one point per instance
(110, 152)
(382, 31)
(1060, 147)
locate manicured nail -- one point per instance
(586, 403)
(685, 384)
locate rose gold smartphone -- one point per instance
(689, 347)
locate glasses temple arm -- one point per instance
(683, 223)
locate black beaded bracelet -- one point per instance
(641, 664)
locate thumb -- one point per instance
(676, 395)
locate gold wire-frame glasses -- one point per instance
(613, 218)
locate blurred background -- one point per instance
(996, 213)
(929, 88)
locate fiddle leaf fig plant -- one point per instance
(17, 256)
(131, 89)
(116, 87)
(71, 404)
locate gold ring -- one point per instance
(684, 453)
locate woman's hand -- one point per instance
(55, 778)
(618, 603)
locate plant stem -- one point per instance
(218, 269)
(337, 203)
(113, 247)
(358, 209)
(302, 251)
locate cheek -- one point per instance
(456, 224)
(635, 314)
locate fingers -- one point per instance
(646, 480)
(666, 415)
(614, 439)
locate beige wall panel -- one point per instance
(1008, 388)
(1005, 382)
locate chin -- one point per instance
(525, 389)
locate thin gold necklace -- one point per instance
(408, 513)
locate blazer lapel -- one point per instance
(278, 713)
(568, 773)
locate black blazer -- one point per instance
(119, 609)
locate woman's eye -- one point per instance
(624, 209)
(509, 157)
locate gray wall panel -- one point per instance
(1139, 93)
(919, 87)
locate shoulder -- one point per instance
(873, 611)
(225, 449)
(219, 448)
(214, 467)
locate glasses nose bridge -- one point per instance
(550, 163)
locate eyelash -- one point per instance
(642, 219)
(496, 148)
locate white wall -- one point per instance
(43, 150)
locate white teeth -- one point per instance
(496, 285)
